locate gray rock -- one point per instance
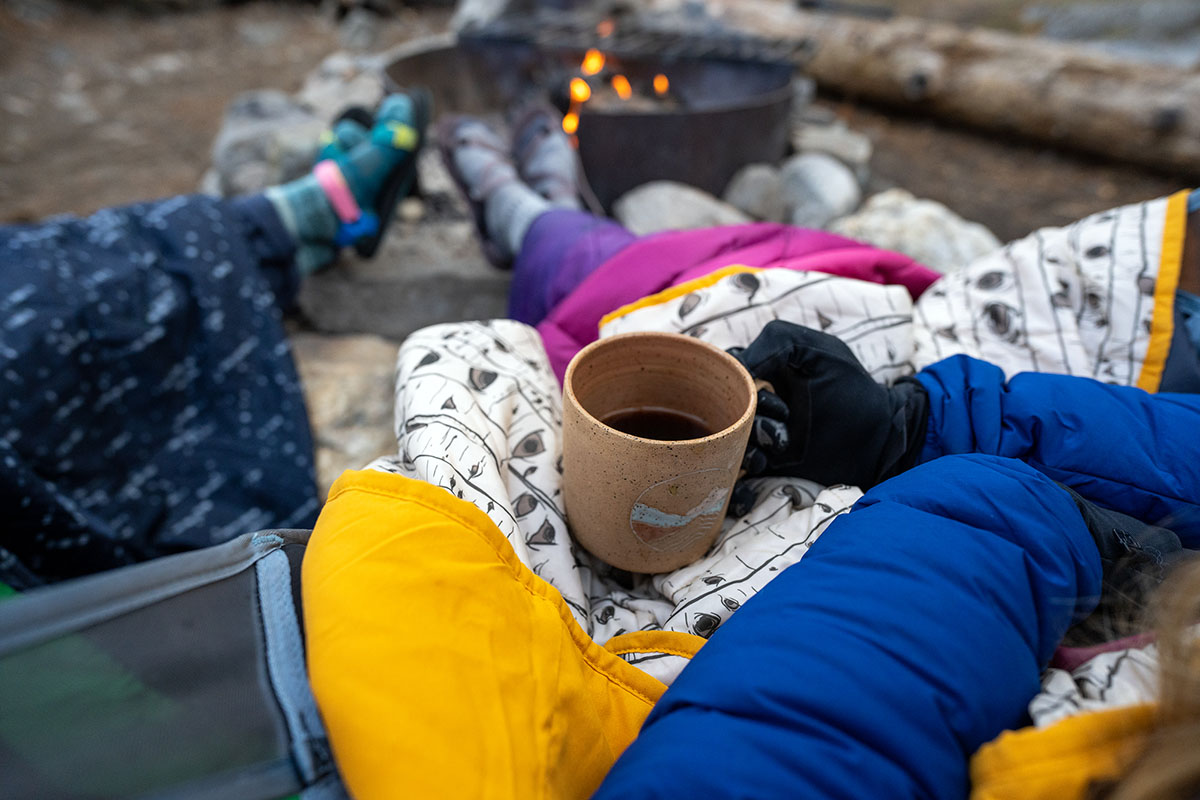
(261, 33)
(804, 92)
(342, 80)
(359, 30)
(818, 188)
(850, 147)
(665, 206)
(210, 183)
(15, 104)
(77, 106)
(265, 139)
(815, 115)
(348, 388)
(411, 209)
(923, 229)
(154, 68)
(427, 272)
(757, 189)
(476, 13)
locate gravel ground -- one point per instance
(99, 109)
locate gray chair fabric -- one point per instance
(182, 677)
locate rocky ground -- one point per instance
(107, 108)
(103, 108)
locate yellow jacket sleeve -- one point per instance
(443, 667)
(1060, 762)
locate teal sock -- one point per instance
(366, 158)
(307, 215)
(303, 208)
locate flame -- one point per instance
(593, 62)
(621, 86)
(580, 91)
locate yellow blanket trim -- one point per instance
(1061, 761)
(1162, 326)
(434, 498)
(675, 643)
(666, 295)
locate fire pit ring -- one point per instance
(732, 112)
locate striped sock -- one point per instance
(366, 160)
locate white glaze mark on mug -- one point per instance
(663, 530)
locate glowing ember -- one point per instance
(593, 62)
(580, 91)
(610, 89)
(605, 28)
(621, 86)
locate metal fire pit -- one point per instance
(732, 112)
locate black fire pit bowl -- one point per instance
(730, 114)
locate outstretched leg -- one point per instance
(1118, 446)
(526, 209)
(912, 632)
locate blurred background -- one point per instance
(109, 101)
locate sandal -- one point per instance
(331, 148)
(402, 181)
(365, 229)
(452, 134)
(532, 126)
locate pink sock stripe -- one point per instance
(333, 182)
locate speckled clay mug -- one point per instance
(651, 504)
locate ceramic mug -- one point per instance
(637, 501)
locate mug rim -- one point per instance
(569, 389)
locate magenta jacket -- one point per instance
(655, 263)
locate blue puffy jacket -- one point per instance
(915, 629)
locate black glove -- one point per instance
(828, 420)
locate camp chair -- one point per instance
(183, 677)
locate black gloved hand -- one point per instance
(828, 420)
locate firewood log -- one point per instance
(1043, 90)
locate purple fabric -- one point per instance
(561, 249)
(653, 263)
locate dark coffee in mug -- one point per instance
(656, 422)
